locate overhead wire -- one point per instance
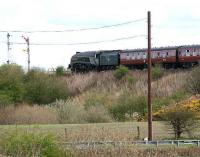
(79, 43)
(75, 30)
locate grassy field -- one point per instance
(126, 131)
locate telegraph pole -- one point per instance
(150, 136)
(28, 50)
(8, 44)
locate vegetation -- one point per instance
(193, 80)
(156, 72)
(181, 121)
(182, 117)
(32, 144)
(121, 72)
(43, 89)
(129, 107)
(36, 86)
(69, 112)
(60, 71)
(11, 84)
(36, 97)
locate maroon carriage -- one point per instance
(138, 57)
(189, 55)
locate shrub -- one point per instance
(120, 72)
(131, 80)
(156, 73)
(32, 144)
(193, 81)
(129, 107)
(98, 114)
(179, 95)
(182, 117)
(181, 121)
(60, 71)
(158, 103)
(94, 98)
(69, 112)
(43, 89)
(11, 84)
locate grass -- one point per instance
(98, 132)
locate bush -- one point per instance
(158, 103)
(181, 121)
(94, 98)
(131, 80)
(60, 71)
(179, 95)
(129, 107)
(156, 73)
(43, 89)
(193, 81)
(69, 112)
(30, 144)
(11, 84)
(121, 72)
(98, 114)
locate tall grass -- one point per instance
(125, 151)
(25, 114)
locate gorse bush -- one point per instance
(182, 117)
(32, 144)
(42, 88)
(11, 84)
(121, 72)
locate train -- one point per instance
(184, 56)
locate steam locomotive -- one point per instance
(185, 56)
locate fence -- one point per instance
(177, 143)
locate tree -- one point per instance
(181, 120)
(11, 84)
(43, 89)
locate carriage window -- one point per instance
(127, 54)
(187, 52)
(158, 54)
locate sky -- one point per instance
(173, 23)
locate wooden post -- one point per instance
(150, 137)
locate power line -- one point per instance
(75, 30)
(81, 43)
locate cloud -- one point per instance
(174, 23)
